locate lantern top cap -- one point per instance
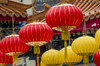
(63, 5)
(36, 23)
(69, 47)
(12, 35)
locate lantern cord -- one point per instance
(65, 45)
(51, 44)
(69, 39)
(13, 22)
(37, 60)
(84, 28)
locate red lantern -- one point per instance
(64, 15)
(36, 34)
(5, 59)
(12, 45)
(96, 58)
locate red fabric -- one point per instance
(96, 58)
(36, 32)
(13, 43)
(15, 18)
(5, 58)
(64, 15)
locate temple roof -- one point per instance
(9, 7)
(90, 9)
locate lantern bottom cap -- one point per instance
(4, 64)
(85, 54)
(60, 28)
(36, 43)
(13, 53)
(70, 63)
(53, 64)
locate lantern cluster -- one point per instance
(63, 17)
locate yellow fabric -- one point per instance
(36, 50)
(97, 36)
(15, 58)
(42, 64)
(65, 34)
(85, 46)
(72, 58)
(50, 57)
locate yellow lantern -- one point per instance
(85, 46)
(50, 58)
(97, 36)
(42, 64)
(72, 58)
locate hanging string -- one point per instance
(69, 38)
(51, 44)
(84, 28)
(37, 60)
(13, 22)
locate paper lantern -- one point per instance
(42, 64)
(97, 36)
(51, 58)
(36, 34)
(96, 58)
(72, 58)
(5, 59)
(12, 45)
(64, 17)
(85, 46)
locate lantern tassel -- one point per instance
(15, 58)
(85, 64)
(85, 60)
(65, 45)
(14, 64)
(65, 37)
(37, 60)
(37, 51)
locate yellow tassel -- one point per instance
(15, 58)
(86, 59)
(36, 50)
(85, 64)
(14, 64)
(65, 34)
(65, 45)
(37, 60)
